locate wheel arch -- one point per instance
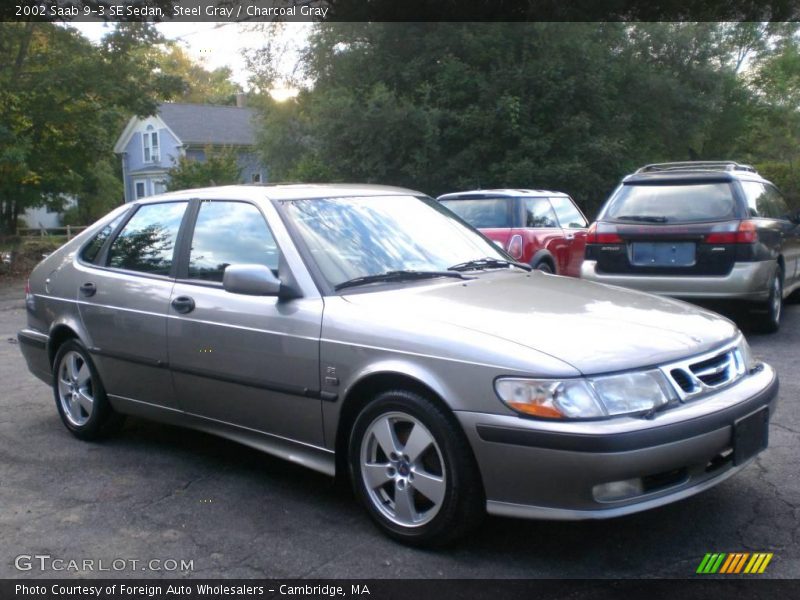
(365, 389)
(59, 334)
(544, 255)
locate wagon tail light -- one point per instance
(515, 246)
(602, 234)
(745, 234)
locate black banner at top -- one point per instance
(399, 10)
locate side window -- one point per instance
(228, 233)
(92, 249)
(539, 213)
(569, 217)
(757, 200)
(777, 204)
(147, 241)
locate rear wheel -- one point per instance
(769, 321)
(544, 267)
(80, 396)
(412, 468)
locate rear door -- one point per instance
(248, 360)
(573, 228)
(123, 304)
(668, 228)
(776, 227)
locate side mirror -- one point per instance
(252, 280)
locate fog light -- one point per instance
(617, 490)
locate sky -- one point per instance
(211, 44)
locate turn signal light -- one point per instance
(515, 246)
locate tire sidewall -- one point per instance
(434, 420)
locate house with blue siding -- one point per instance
(149, 147)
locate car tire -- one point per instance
(80, 397)
(769, 320)
(544, 267)
(412, 468)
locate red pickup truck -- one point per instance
(542, 228)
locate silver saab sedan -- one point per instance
(368, 330)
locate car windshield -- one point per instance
(659, 203)
(371, 235)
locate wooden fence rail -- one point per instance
(70, 231)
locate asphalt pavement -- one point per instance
(160, 493)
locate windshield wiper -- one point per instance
(405, 275)
(643, 218)
(487, 263)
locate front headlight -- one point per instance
(745, 362)
(635, 392)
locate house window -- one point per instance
(256, 178)
(150, 145)
(140, 190)
(159, 186)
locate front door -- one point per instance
(248, 360)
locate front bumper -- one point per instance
(746, 281)
(550, 470)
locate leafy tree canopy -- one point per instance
(220, 167)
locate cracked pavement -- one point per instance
(160, 492)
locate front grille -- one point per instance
(706, 373)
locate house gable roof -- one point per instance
(201, 124)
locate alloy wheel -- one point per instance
(75, 388)
(402, 469)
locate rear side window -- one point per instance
(228, 233)
(92, 249)
(672, 203)
(482, 213)
(147, 241)
(764, 201)
(539, 213)
(569, 217)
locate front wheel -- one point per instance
(412, 468)
(80, 396)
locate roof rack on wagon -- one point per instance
(696, 165)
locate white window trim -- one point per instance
(147, 144)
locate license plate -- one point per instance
(663, 254)
(750, 436)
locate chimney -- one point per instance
(241, 100)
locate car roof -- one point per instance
(290, 191)
(502, 192)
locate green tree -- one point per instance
(62, 103)
(220, 167)
(569, 106)
(199, 85)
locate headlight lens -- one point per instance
(633, 392)
(745, 362)
(611, 395)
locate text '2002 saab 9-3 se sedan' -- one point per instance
(368, 330)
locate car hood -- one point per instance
(595, 328)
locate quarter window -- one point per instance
(147, 241)
(228, 233)
(92, 249)
(764, 201)
(539, 213)
(569, 217)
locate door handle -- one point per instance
(183, 304)
(88, 289)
